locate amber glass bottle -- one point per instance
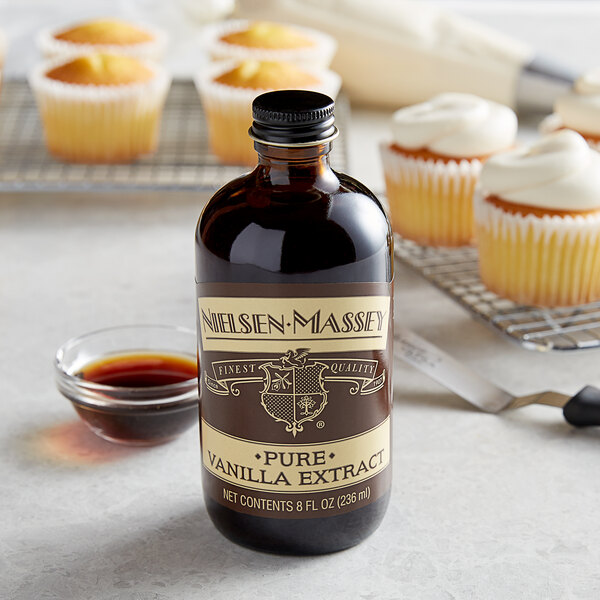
(294, 275)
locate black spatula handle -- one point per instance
(583, 409)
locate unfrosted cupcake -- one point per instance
(578, 109)
(100, 108)
(263, 40)
(104, 35)
(432, 165)
(227, 91)
(538, 222)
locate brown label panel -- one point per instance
(295, 396)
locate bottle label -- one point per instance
(295, 396)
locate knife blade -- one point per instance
(580, 410)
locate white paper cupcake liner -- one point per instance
(553, 123)
(434, 175)
(430, 201)
(3, 46)
(549, 261)
(510, 225)
(152, 50)
(229, 109)
(88, 123)
(319, 55)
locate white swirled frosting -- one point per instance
(579, 108)
(458, 125)
(559, 172)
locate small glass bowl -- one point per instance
(137, 416)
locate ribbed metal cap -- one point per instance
(292, 117)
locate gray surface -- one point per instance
(483, 506)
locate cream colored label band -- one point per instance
(356, 323)
(301, 468)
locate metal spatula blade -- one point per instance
(580, 410)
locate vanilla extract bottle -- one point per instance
(294, 273)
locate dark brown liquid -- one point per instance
(140, 370)
(143, 424)
(330, 229)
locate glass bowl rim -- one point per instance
(67, 382)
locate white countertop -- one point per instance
(482, 507)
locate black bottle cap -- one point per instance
(292, 118)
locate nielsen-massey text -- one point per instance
(315, 324)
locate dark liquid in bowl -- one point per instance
(140, 370)
(142, 424)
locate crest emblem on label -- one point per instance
(293, 391)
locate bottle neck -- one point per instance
(287, 165)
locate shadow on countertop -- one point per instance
(73, 444)
(182, 554)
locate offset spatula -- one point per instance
(580, 410)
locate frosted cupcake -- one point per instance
(578, 109)
(104, 35)
(100, 108)
(227, 90)
(432, 165)
(262, 40)
(538, 222)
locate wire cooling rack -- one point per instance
(183, 160)
(455, 272)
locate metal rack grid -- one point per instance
(455, 272)
(183, 160)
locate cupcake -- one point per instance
(246, 40)
(578, 109)
(104, 35)
(100, 108)
(432, 165)
(3, 45)
(227, 91)
(538, 222)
